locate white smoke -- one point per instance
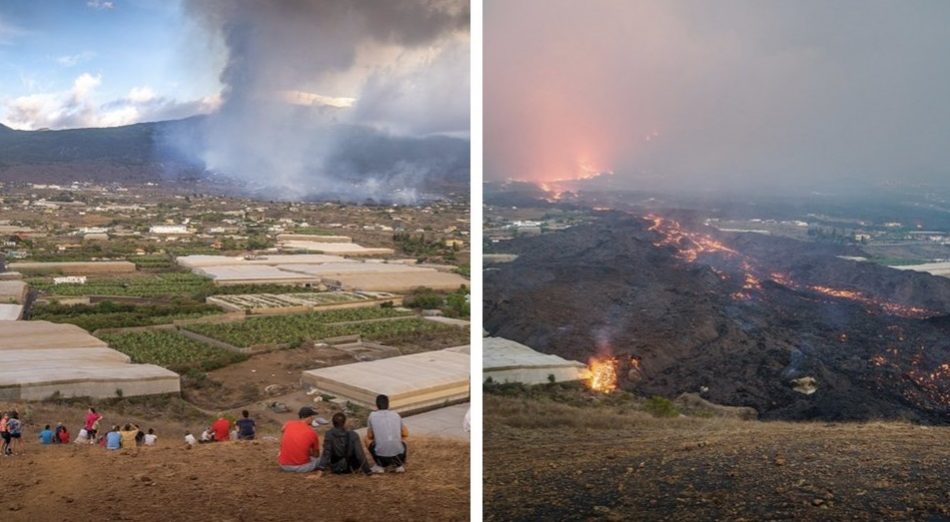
(307, 84)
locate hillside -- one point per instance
(747, 319)
(222, 481)
(171, 149)
(137, 152)
(617, 464)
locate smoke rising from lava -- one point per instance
(733, 95)
(352, 100)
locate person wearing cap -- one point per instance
(299, 444)
(386, 434)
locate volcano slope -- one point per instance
(745, 317)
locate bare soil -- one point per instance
(232, 481)
(550, 461)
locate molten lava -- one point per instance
(602, 374)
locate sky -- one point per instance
(97, 63)
(300, 94)
(726, 95)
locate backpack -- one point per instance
(338, 456)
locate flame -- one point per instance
(602, 374)
(689, 245)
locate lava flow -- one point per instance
(602, 374)
(912, 312)
(689, 244)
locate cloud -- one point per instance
(72, 60)
(78, 107)
(9, 32)
(100, 4)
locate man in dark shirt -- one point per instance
(342, 449)
(245, 426)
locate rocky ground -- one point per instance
(546, 460)
(223, 481)
(744, 316)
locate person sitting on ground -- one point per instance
(245, 426)
(299, 444)
(128, 435)
(92, 423)
(46, 436)
(16, 438)
(139, 435)
(56, 432)
(222, 429)
(190, 439)
(342, 449)
(386, 432)
(150, 437)
(113, 439)
(206, 436)
(62, 435)
(82, 437)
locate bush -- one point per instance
(660, 407)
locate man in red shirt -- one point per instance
(299, 445)
(221, 429)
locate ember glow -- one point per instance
(886, 306)
(602, 374)
(689, 245)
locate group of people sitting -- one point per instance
(118, 437)
(342, 447)
(60, 436)
(222, 430)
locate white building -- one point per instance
(170, 230)
(69, 280)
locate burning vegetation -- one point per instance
(602, 374)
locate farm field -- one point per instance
(294, 329)
(178, 285)
(171, 350)
(306, 299)
(114, 315)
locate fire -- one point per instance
(689, 245)
(602, 374)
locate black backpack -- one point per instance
(338, 456)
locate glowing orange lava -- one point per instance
(689, 245)
(602, 374)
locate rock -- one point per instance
(805, 385)
(274, 389)
(817, 502)
(279, 407)
(141, 477)
(779, 461)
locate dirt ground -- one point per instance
(223, 481)
(573, 464)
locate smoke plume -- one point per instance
(354, 100)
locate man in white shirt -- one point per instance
(386, 434)
(150, 437)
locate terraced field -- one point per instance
(293, 329)
(171, 350)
